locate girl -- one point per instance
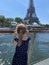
(21, 39)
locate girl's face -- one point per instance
(21, 29)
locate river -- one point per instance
(40, 49)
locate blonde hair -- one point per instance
(19, 25)
(20, 30)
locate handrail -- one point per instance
(31, 31)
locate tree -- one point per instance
(18, 20)
(2, 20)
(9, 20)
(5, 22)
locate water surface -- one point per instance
(40, 50)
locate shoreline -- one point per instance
(5, 28)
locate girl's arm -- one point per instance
(27, 32)
(15, 33)
(31, 45)
(14, 41)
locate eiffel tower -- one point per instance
(31, 14)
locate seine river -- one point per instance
(40, 49)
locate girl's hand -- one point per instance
(14, 42)
(15, 33)
(27, 31)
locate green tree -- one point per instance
(18, 20)
(10, 19)
(5, 22)
(2, 20)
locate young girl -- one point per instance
(21, 39)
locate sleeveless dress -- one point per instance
(20, 57)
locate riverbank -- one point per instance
(4, 28)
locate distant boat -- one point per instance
(13, 25)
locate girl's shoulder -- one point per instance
(25, 37)
(16, 38)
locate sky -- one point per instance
(18, 8)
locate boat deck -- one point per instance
(44, 62)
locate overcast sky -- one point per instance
(18, 8)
